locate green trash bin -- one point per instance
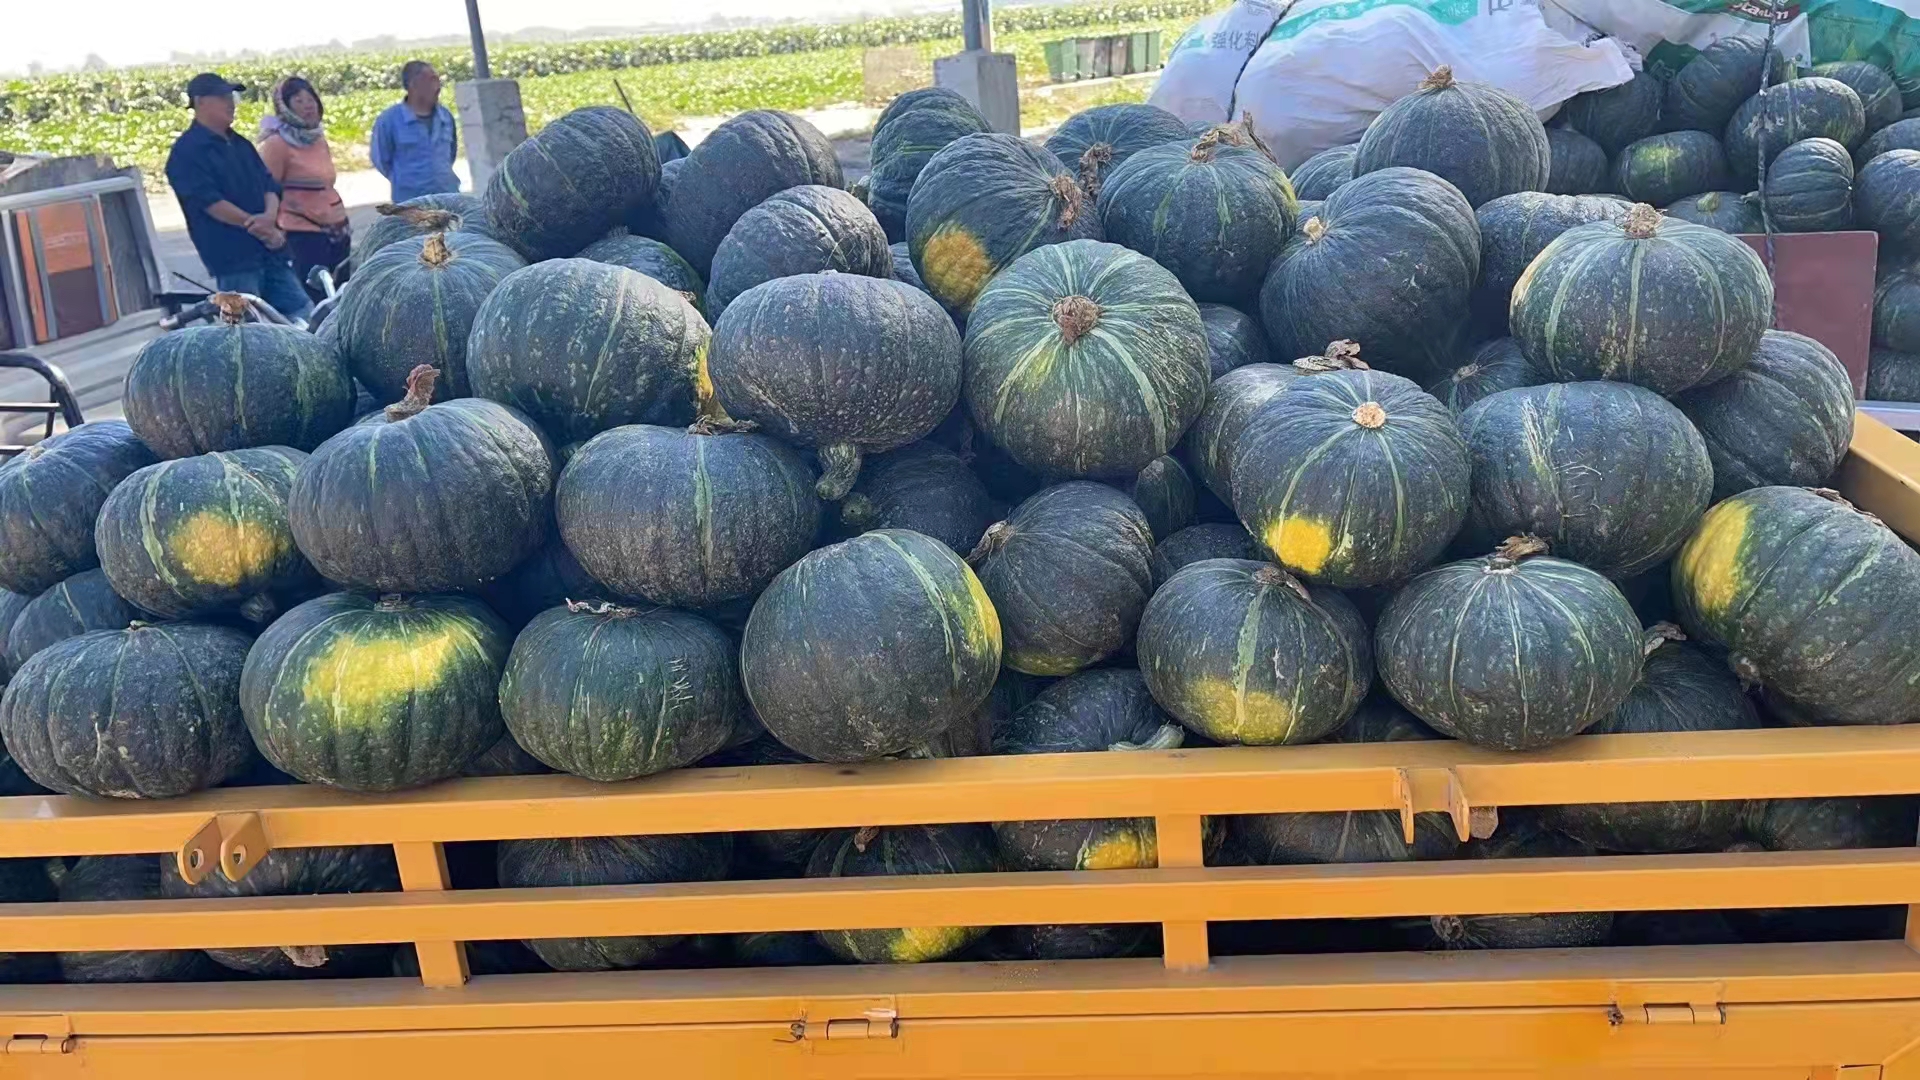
(1143, 51)
(1063, 60)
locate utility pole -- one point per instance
(481, 69)
(988, 79)
(491, 120)
(976, 25)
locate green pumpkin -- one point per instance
(376, 695)
(734, 169)
(29, 881)
(650, 220)
(1492, 367)
(50, 497)
(914, 126)
(1728, 211)
(547, 578)
(206, 534)
(1879, 95)
(610, 860)
(1476, 136)
(1514, 229)
(12, 604)
(1070, 942)
(803, 230)
(1824, 825)
(781, 852)
(304, 871)
(1618, 115)
(983, 201)
(451, 211)
(1198, 543)
(1351, 478)
(1785, 418)
(1662, 169)
(869, 647)
(1241, 652)
(1892, 376)
(1232, 401)
(1579, 166)
(1609, 474)
(1662, 303)
(1886, 199)
(1513, 651)
(98, 878)
(415, 304)
(1703, 94)
(1095, 142)
(1809, 596)
(1085, 359)
(505, 758)
(1896, 306)
(1319, 175)
(579, 176)
(1215, 212)
(148, 712)
(236, 385)
(1526, 838)
(1164, 493)
(1234, 339)
(892, 852)
(648, 256)
(1809, 188)
(923, 487)
(1902, 135)
(1784, 114)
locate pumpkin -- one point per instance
(1618, 115)
(304, 871)
(1234, 339)
(206, 534)
(1902, 135)
(1681, 688)
(1896, 306)
(1318, 176)
(361, 694)
(1728, 211)
(780, 948)
(1242, 652)
(414, 305)
(1513, 651)
(846, 364)
(1704, 93)
(648, 256)
(892, 852)
(650, 220)
(983, 201)
(1085, 359)
(1526, 838)
(1102, 941)
(148, 712)
(1879, 95)
(451, 211)
(735, 168)
(1611, 475)
(1351, 477)
(1892, 376)
(643, 362)
(1807, 594)
(98, 878)
(1578, 165)
(612, 693)
(690, 518)
(1164, 493)
(870, 647)
(236, 385)
(1494, 366)
(549, 577)
(1886, 199)
(1514, 229)
(1809, 188)
(780, 852)
(1232, 402)
(913, 127)
(579, 176)
(803, 230)
(1663, 169)
(50, 495)
(923, 487)
(1198, 543)
(1095, 142)
(1655, 301)
(1215, 212)
(903, 269)
(1824, 825)
(1067, 574)
(1784, 114)
(505, 758)
(610, 860)
(12, 604)
(1476, 136)
(1389, 262)
(424, 497)
(1785, 418)
(28, 881)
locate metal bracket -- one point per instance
(235, 842)
(1667, 1004)
(1470, 822)
(36, 1033)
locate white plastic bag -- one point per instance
(1197, 84)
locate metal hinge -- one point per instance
(834, 1026)
(876, 1023)
(36, 1033)
(233, 843)
(1676, 1004)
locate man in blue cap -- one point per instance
(231, 202)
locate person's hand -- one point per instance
(259, 227)
(275, 239)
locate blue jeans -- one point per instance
(273, 281)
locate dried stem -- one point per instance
(419, 394)
(1076, 316)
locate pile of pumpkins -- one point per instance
(1103, 445)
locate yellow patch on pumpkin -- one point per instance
(955, 265)
(1253, 717)
(706, 403)
(220, 550)
(983, 622)
(1133, 848)
(360, 675)
(1711, 569)
(1300, 543)
(918, 944)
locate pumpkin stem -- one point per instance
(1659, 634)
(1093, 164)
(1253, 137)
(138, 624)
(233, 308)
(1466, 371)
(259, 609)
(1833, 496)
(436, 253)
(1071, 198)
(420, 217)
(1515, 548)
(1169, 737)
(990, 542)
(1271, 575)
(1342, 355)
(1642, 222)
(867, 835)
(840, 467)
(392, 601)
(1441, 78)
(720, 425)
(1207, 145)
(1370, 416)
(1076, 316)
(1709, 202)
(306, 956)
(419, 394)
(1450, 929)
(602, 607)
(1314, 229)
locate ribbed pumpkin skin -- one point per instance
(610, 860)
(648, 256)
(145, 713)
(1681, 688)
(982, 202)
(686, 519)
(1113, 134)
(95, 878)
(915, 126)
(1198, 543)
(1477, 137)
(1213, 213)
(1728, 211)
(206, 388)
(376, 695)
(582, 346)
(1779, 116)
(1239, 652)
(469, 216)
(576, 178)
(1785, 418)
(1892, 376)
(1578, 165)
(1810, 597)
(912, 850)
(611, 694)
(1677, 308)
(923, 487)
(1886, 198)
(650, 221)
(415, 304)
(207, 534)
(1067, 573)
(50, 496)
(1703, 95)
(1526, 838)
(1510, 654)
(1879, 95)
(307, 871)
(1896, 307)
(1347, 495)
(903, 266)
(1393, 270)
(1234, 338)
(1662, 169)
(1901, 135)
(1064, 400)
(12, 605)
(1514, 229)
(548, 577)
(1810, 187)
(870, 647)
(803, 230)
(1618, 115)
(1611, 475)
(451, 497)
(1164, 493)
(733, 169)
(1494, 366)
(1319, 175)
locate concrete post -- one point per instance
(491, 123)
(988, 79)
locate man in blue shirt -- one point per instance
(231, 202)
(414, 141)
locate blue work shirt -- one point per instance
(416, 152)
(206, 167)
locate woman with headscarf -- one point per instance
(294, 147)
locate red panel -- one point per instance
(1823, 288)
